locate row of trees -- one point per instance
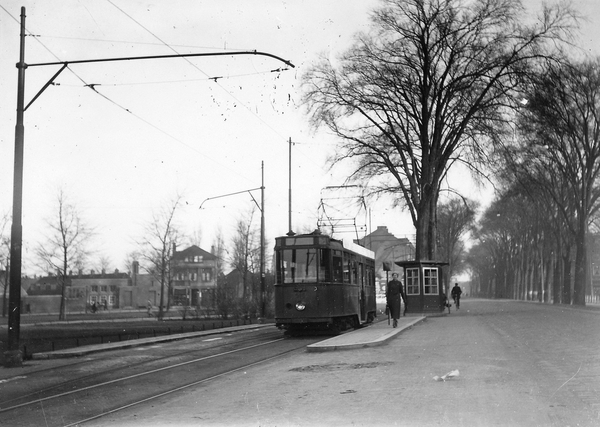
(537, 229)
(66, 248)
(440, 82)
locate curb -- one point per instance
(332, 345)
(97, 348)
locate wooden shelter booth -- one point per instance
(423, 286)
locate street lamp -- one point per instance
(13, 356)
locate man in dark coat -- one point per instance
(393, 292)
(456, 293)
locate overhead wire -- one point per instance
(37, 37)
(92, 86)
(198, 68)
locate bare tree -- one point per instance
(560, 129)
(196, 237)
(245, 258)
(426, 88)
(455, 218)
(66, 244)
(160, 237)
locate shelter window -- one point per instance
(412, 281)
(430, 281)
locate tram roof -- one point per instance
(349, 244)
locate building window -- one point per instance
(206, 274)
(430, 281)
(104, 288)
(412, 281)
(94, 288)
(111, 299)
(194, 276)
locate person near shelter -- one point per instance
(393, 292)
(149, 308)
(456, 293)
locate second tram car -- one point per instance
(323, 283)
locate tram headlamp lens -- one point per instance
(300, 306)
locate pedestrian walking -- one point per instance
(393, 292)
(456, 293)
(149, 307)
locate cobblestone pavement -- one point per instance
(520, 364)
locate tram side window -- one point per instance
(359, 273)
(299, 265)
(324, 265)
(338, 262)
(347, 270)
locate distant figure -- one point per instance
(456, 293)
(94, 308)
(105, 305)
(394, 291)
(149, 306)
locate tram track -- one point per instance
(83, 399)
(214, 346)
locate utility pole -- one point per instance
(13, 356)
(262, 242)
(261, 207)
(290, 232)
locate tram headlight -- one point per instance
(300, 306)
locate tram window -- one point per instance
(361, 274)
(347, 269)
(299, 265)
(337, 268)
(412, 281)
(324, 265)
(430, 281)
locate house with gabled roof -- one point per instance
(194, 277)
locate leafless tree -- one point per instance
(455, 219)
(161, 234)
(427, 87)
(560, 129)
(65, 247)
(245, 258)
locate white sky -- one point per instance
(166, 127)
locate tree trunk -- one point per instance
(581, 270)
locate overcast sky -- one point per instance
(122, 139)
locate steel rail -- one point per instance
(141, 374)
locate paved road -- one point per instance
(520, 364)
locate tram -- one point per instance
(323, 284)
